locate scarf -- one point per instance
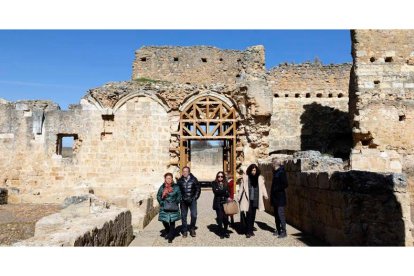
(167, 189)
(254, 180)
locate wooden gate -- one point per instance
(208, 118)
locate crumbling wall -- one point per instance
(196, 64)
(112, 153)
(346, 207)
(253, 125)
(310, 108)
(90, 222)
(382, 101)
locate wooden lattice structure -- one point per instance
(208, 118)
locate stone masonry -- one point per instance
(90, 222)
(125, 135)
(382, 100)
(310, 108)
(345, 207)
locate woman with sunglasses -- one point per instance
(221, 196)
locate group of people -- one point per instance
(176, 199)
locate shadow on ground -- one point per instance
(309, 240)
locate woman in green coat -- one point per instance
(169, 197)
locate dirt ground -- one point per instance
(17, 221)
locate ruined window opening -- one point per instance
(276, 95)
(220, 59)
(376, 81)
(203, 59)
(297, 95)
(372, 59)
(340, 95)
(330, 95)
(319, 95)
(238, 76)
(65, 144)
(307, 95)
(176, 59)
(286, 95)
(401, 118)
(388, 59)
(143, 59)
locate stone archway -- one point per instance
(207, 117)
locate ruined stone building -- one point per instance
(126, 135)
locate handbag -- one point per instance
(170, 206)
(231, 208)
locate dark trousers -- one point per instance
(169, 229)
(250, 218)
(193, 213)
(222, 218)
(280, 219)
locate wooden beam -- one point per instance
(207, 137)
(209, 120)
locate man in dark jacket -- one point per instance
(278, 198)
(190, 192)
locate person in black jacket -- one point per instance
(190, 192)
(221, 195)
(278, 198)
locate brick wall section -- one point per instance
(348, 208)
(382, 99)
(197, 64)
(310, 108)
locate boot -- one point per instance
(282, 234)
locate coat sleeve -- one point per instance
(263, 187)
(240, 191)
(178, 197)
(285, 181)
(159, 195)
(198, 188)
(282, 185)
(273, 188)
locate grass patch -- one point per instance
(146, 80)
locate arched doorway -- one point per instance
(208, 118)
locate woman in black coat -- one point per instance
(278, 198)
(221, 196)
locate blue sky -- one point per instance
(62, 65)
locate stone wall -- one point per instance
(347, 207)
(112, 155)
(206, 162)
(382, 100)
(310, 109)
(197, 64)
(91, 222)
(253, 124)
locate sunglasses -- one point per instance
(220, 176)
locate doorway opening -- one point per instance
(207, 137)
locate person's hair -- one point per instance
(224, 177)
(168, 174)
(187, 168)
(250, 168)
